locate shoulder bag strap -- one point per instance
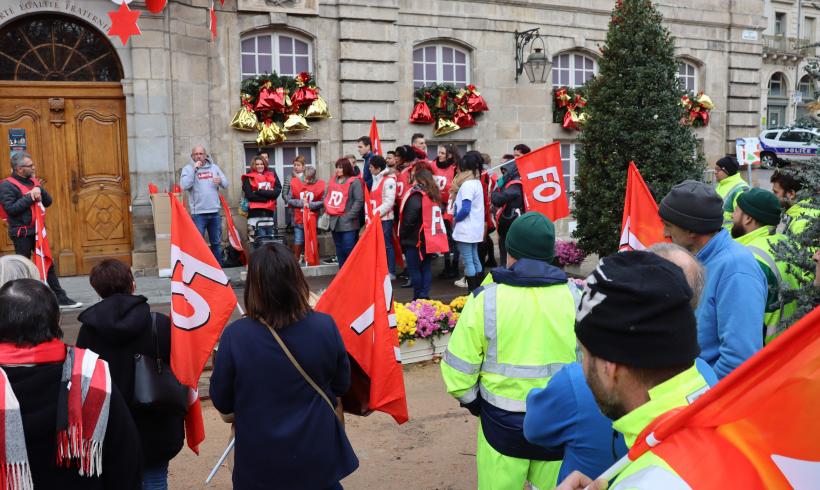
(155, 340)
(297, 365)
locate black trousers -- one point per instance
(25, 246)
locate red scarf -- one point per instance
(82, 412)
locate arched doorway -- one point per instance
(62, 100)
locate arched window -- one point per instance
(572, 69)
(806, 88)
(777, 85)
(56, 48)
(688, 76)
(440, 63)
(284, 53)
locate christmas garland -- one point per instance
(274, 105)
(569, 107)
(697, 109)
(449, 108)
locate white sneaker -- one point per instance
(461, 283)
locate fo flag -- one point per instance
(541, 180)
(756, 429)
(201, 304)
(42, 251)
(641, 226)
(360, 300)
(233, 233)
(375, 141)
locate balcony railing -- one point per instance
(786, 47)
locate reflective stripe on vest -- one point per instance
(502, 402)
(491, 364)
(759, 252)
(652, 477)
(460, 364)
(469, 396)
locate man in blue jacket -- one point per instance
(734, 299)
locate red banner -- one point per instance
(202, 301)
(42, 250)
(375, 141)
(641, 226)
(309, 222)
(541, 177)
(360, 300)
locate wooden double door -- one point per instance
(76, 134)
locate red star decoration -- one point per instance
(124, 23)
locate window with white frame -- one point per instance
(432, 148)
(806, 88)
(280, 160)
(569, 163)
(440, 63)
(285, 54)
(572, 69)
(688, 76)
(777, 85)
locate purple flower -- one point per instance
(568, 253)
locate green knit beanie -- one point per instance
(760, 204)
(531, 236)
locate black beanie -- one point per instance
(694, 206)
(636, 311)
(378, 161)
(728, 164)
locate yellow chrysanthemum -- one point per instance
(458, 304)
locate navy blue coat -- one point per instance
(287, 436)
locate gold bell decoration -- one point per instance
(245, 118)
(318, 109)
(270, 134)
(705, 101)
(445, 126)
(296, 122)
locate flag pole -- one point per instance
(613, 470)
(500, 165)
(221, 460)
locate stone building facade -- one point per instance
(181, 88)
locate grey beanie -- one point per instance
(693, 206)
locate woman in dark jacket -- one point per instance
(345, 218)
(410, 236)
(287, 435)
(117, 328)
(261, 187)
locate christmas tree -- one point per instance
(635, 114)
(798, 249)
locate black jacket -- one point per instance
(411, 221)
(37, 388)
(116, 328)
(261, 195)
(510, 198)
(18, 206)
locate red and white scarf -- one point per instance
(82, 411)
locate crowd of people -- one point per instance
(562, 374)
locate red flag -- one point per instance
(360, 300)
(202, 301)
(375, 141)
(42, 251)
(233, 233)
(541, 180)
(152, 188)
(641, 226)
(155, 6)
(757, 428)
(309, 222)
(212, 23)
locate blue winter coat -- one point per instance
(286, 435)
(730, 313)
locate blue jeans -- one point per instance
(298, 234)
(469, 255)
(155, 478)
(344, 241)
(212, 223)
(387, 228)
(420, 271)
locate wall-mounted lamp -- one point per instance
(538, 64)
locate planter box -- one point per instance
(423, 349)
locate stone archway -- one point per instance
(60, 90)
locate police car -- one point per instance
(780, 146)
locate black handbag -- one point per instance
(156, 388)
